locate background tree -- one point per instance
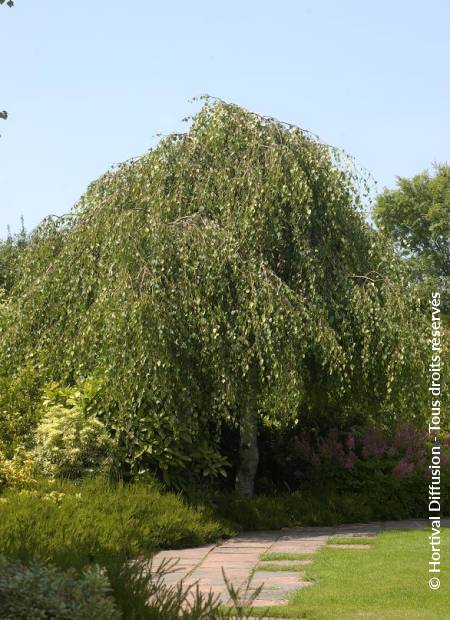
(417, 216)
(10, 251)
(225, 280)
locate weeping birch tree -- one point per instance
(226, 278)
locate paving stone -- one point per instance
(218, 551)
(276, 576)
(306, 532)
(244, 545)
(183, 553)
(215, 556)
(301, 537)
(266, 535)
(271, 595)
(232, 564)
(375, 526)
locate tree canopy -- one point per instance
(10, 249)
(417, 216)
(225, 279)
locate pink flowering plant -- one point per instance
(389, 467)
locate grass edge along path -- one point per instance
(389, 581)
(385, 580)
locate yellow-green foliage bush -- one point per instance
(70, 442)
(17, 472)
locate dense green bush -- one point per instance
(20, 401)
(74, 525)
(323, 503)
(40, 591)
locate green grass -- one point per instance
(275, 557)
(268, 566)
(389, 583)
(351, 540)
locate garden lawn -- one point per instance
(389, 581)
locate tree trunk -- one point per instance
(248, 455)
(248, 442)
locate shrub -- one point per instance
(72, 524)
(40, 591)
(387, 470)
(120, 589)
(17, 472)
(19, 412)
(70, 442)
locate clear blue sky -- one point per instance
(90, 83)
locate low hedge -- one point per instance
(74, 524)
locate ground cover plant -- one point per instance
(62, 540)
(388, 581)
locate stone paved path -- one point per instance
(239, 557)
